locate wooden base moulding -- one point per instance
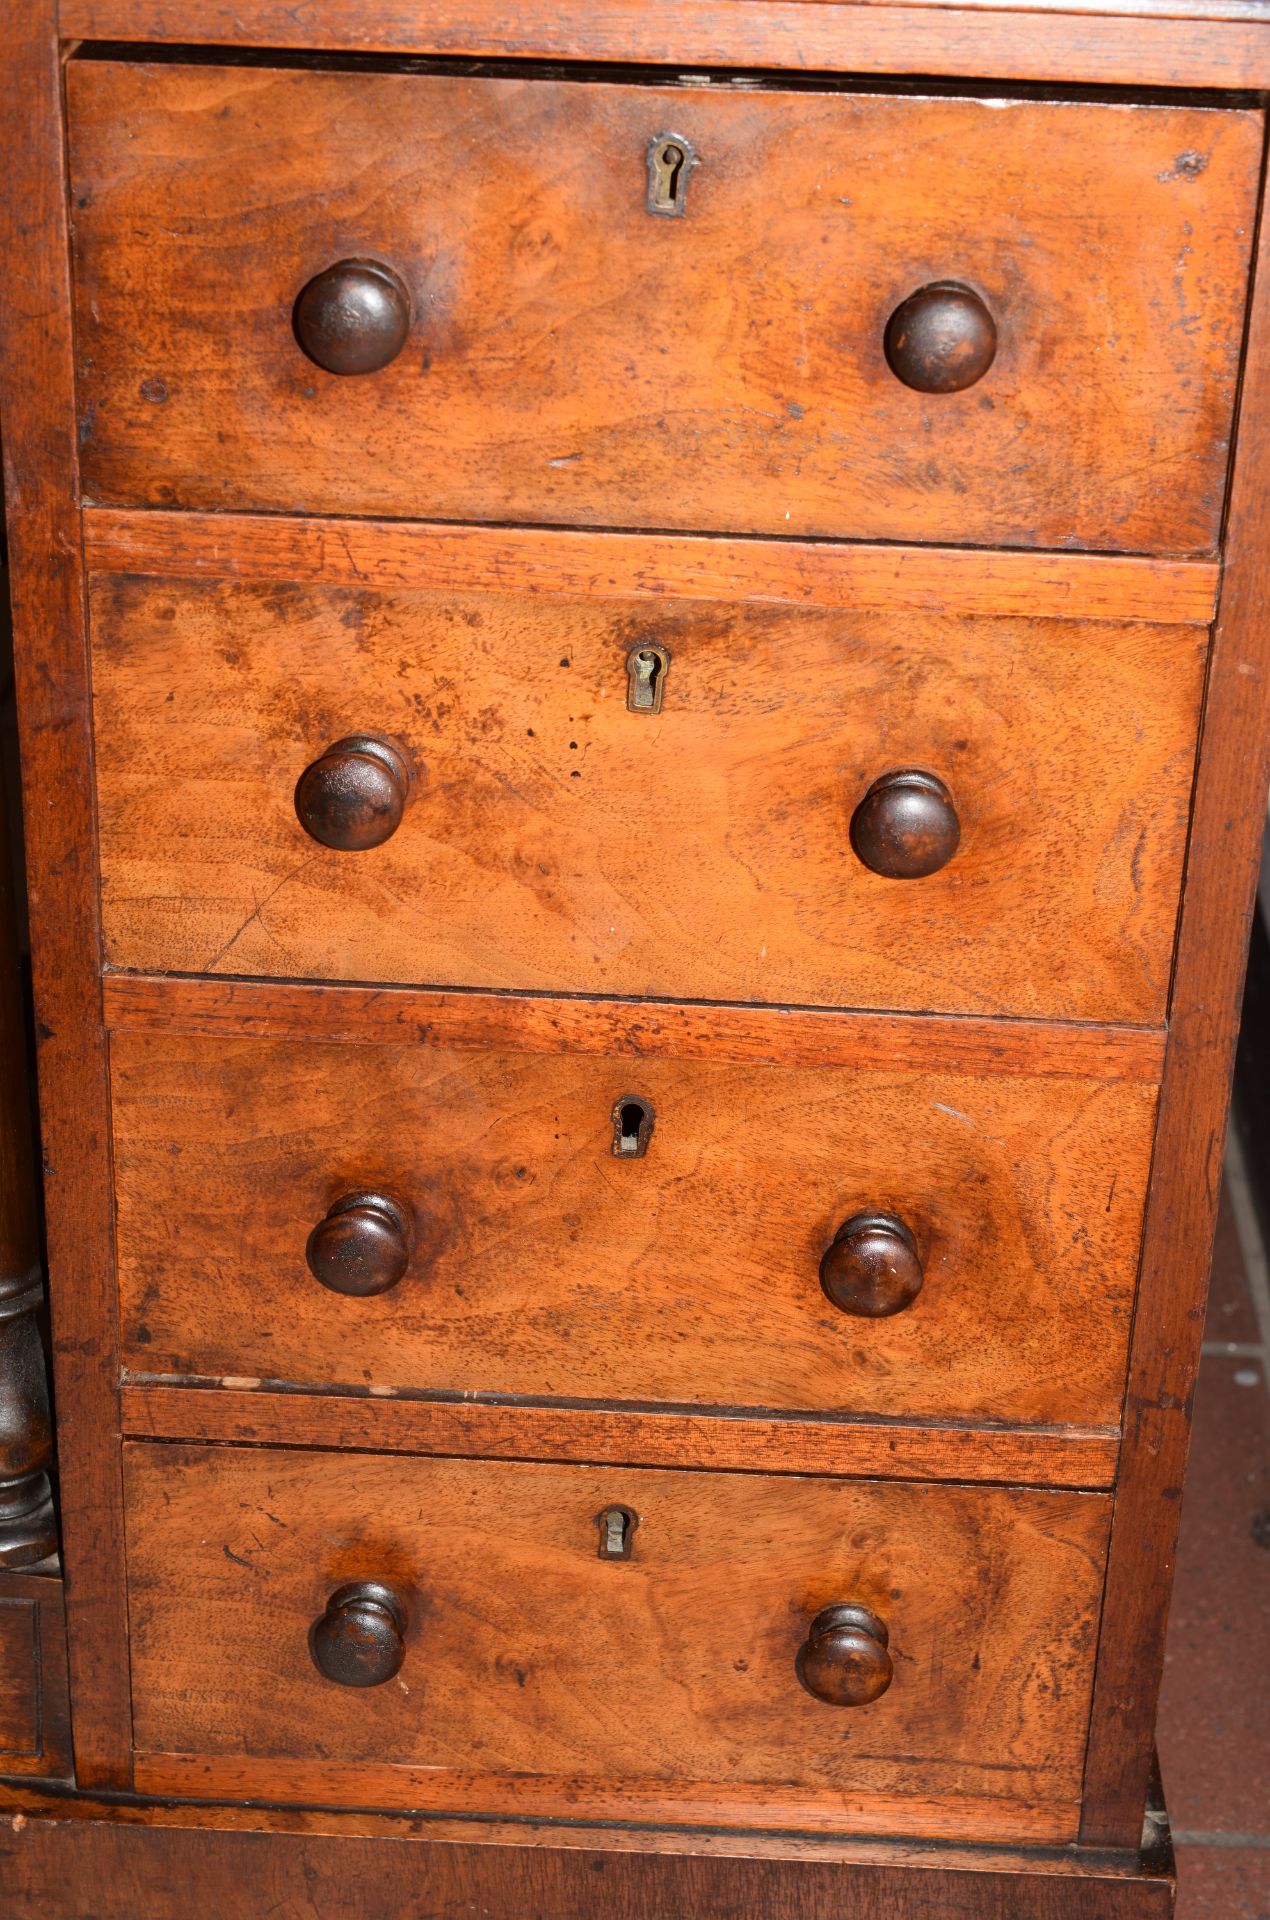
(130, 1858)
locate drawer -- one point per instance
(527, 1257)
(508, 1665)
(565, 355)
(543, 836)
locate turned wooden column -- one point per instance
(28, 1532)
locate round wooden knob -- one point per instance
(355, 795)
(941, 339)
(844, 1660)
(872, 1267)
(354, 317)
(906, 826)
(362, 1247)
(360, 1640)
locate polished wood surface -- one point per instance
(991, 1599)
(639, 1029)
(1190, 45)
(245, 1410)
(1222, 870)
(573, 361)
(35, 1708)
(132, 1859)
(543, 1264)
(47, 587)
(555, 840)
(626, 566)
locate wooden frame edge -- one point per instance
(640, 1029)
(36, 385)
(1080, 1459)
(389, 554)
(812, 35)
(1223, 858)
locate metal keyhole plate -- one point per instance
(671, 159)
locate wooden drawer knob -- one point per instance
(355, 795)
(906, 826)
(362, 1247)
(941, 339)
(844, 1660)
(354, 317)
(872, 1267)
(360, 1640)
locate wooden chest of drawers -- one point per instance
(642, 677)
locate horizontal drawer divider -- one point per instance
(351, 552)
(388, 1421)
(333, 1783)
(538, 1023)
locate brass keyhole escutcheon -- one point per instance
(671, 159)
(617, 1532)
(646, 678)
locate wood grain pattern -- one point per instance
(574, 361)
(35, 1720)
(990, 1595)
(545, 1266)
(1222, 867)
(554, 840)
(634, 1029)
(843, 1448)
(36, 382)
(1074, 45)
(144, 1858)
(643, 566)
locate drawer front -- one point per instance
(550, 838)
(572, 357)
(536, 1260)
(536, 1675)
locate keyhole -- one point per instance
(645, 674)
(617, 1532)
(632, 1126)
(671, 159)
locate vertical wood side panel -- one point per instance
(38, 417)
(1223, 858)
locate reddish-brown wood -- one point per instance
(630, 566)
(131, 1859)
(638, 1029)
(243, 1410)
(36, 375)
(1073, 45)
(990, 1597)
(555, 840)
(573, 361)
(545, 1266)
(1222, 866)
(35, 1721)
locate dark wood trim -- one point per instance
(133, 1859)
(812, 35)
(37, 1600)
(36, 384)
(1223, 859)
(622, 566)
(28, 1530)
(733, 1442)
(640, 1029)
